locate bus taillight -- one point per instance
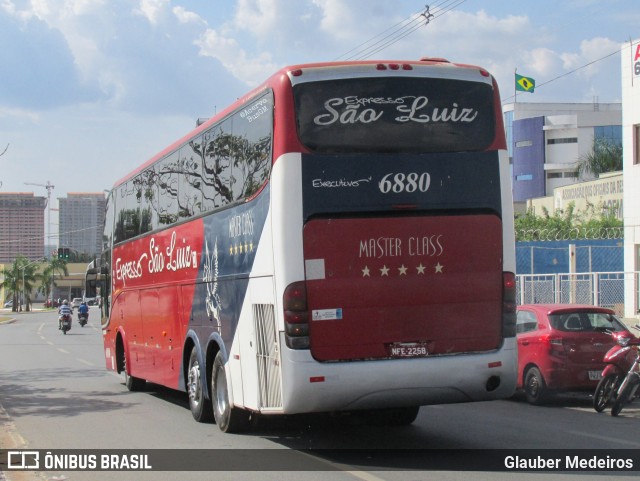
(296, 316)
(508, 304)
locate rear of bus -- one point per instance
(393, 239)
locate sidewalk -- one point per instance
(7, 316)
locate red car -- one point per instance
(561, 347)
(51, 303)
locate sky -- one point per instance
(89, 89)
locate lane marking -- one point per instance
(63, 350)
(85, 362)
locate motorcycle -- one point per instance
(619, 361)
(629, 385)
(83, 317)
(621, 375)
(65, 322)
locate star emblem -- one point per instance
(438, 268)
(365, 272)
(420, 269)
(403, 270)
(384, 271)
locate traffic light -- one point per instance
(63, 253)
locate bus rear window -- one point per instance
(395, 114)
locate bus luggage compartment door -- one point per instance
(403, 286)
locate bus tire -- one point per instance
(133, 383)
(199, 405)
(229, 419)
(535, 389)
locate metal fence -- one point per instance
(606, 289)
(584, 256)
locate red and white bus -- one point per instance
(339, 239)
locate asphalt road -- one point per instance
(56, 394)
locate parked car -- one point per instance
(9, 303)
(51, 303)
(75, 303)
(561, 347)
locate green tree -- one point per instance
(604, 156)
(48, 276)
(11, 283)
(19, 281)
(567, 224)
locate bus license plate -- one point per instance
(408, 349)
(595, 375)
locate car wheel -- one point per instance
(229, 419)
(535, 389)
(605, 392)
(199, 405)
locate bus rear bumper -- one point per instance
(311, 386)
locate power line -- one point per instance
(428, 16)
(571, 71)
(49, 237)
(400, 30)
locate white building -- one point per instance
(81, 222)
(630, 57)
(547, 140)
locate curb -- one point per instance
(10, 438)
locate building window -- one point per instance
(524, 177)
(554, 175)
(524, 143)
(611, 133)
(567, 140)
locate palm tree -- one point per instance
(28, 279)
(47, 278)
(605, 156)
(19, 280)
(11, 283)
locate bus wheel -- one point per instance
(133, 383)
(199, 405)
(228, 419)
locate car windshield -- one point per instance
(585, 321)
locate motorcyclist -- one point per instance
(63, 310)
(83, 309)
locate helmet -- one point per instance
(65, 302)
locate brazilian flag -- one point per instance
(525, 84)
